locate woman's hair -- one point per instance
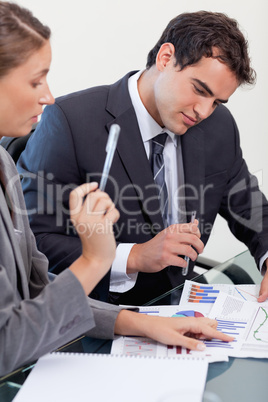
(194, 35)
(21, 34)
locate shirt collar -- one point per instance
(149, 128)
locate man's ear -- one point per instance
(165, 55)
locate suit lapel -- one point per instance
(131, 150)
(133, 156)
(194, 169)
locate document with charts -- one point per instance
(238, 313)
(139, 346)
(246, 321)
(204, 296)
(236, 309)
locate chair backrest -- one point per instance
(15, 145)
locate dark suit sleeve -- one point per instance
(52, 149)
(244, 206)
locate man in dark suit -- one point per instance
(198, 63)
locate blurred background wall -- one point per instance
(97, 42)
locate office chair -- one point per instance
(16, 145)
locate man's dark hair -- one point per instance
(194, 35)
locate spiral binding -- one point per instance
(109, 355)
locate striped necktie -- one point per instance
(158, 168)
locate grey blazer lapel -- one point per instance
(9, 228)
(194, 169)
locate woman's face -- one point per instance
(24, 91)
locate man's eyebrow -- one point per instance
(208, 90)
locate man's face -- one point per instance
(184, 98)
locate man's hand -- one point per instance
(263, 295)
(164, 249)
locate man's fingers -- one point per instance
(173, 239)
(263, 296)
(185, 228)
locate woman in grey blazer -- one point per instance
(36, 315)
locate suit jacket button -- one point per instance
(63, 330)
(70, 325)
(76, 319)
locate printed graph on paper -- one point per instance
(257, 337)
(139, 347)
(202, 294)
(205, 296)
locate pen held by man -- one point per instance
(167, 248)
(187, 259)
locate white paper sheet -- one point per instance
(92, 377)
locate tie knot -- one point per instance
(158, 143)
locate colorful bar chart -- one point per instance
(149, 310)
(202, 294)
(232, 328)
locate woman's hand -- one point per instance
(185, 331)
(93, 214)
(180, 331)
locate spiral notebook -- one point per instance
(78, 377)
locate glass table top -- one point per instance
(236, 380)
(240, 269)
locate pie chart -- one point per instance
(188, 313)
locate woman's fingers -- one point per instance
(200, 328)
(88, 199)
(78, 194)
